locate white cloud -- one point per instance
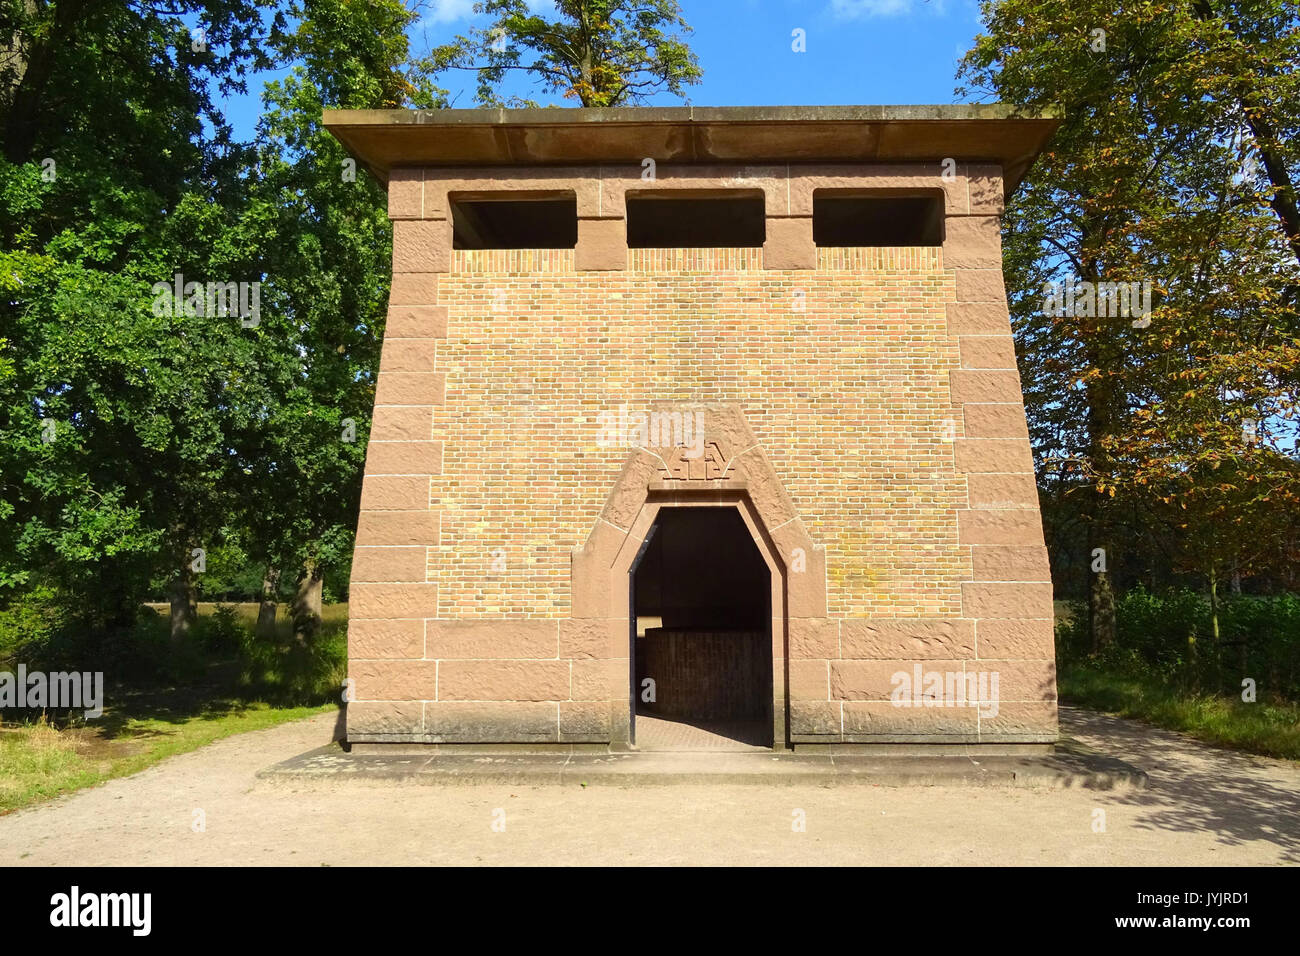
(857, 9)
(449, 11)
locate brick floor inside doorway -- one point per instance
(662, 734)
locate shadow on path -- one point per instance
(1194, 787)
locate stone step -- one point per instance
(1064, 767)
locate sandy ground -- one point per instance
(1205, 806)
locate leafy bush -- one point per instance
(1170, 638)
(292, 673)
(221, 655)
(1261, 637)
(221, 632)
(1263, 728)
(29, 623)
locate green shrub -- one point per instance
(1169, 638)
(1224, 720)
(1260, 638)
(222, 632)
(29, 623)
(286, 672)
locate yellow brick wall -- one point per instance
(842, 373)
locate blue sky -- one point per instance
(858, 51)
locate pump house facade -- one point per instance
(699, 425)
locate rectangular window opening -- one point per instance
(695, 220)
(859, 219)
(514, 220)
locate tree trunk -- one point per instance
(1214, 605)
(307, 603)
(1101, 595)
(184, 604)
(1103, 400)
(1267, 140)
(37, 68)
(1101, 611)
(1214, 630)
(266, 610)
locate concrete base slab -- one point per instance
(1069, 765)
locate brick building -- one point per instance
(699, 419)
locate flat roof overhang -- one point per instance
(986, 133)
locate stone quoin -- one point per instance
(820, 291)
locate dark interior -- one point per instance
(697, 221)
(702, 604)
(858, 220)
(655, 222)
(544, 223)
(701, 570)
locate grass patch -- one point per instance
(161, 700)
(1270, 729)
(39, 762)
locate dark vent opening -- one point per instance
(655, 222)
(515, 223)
(840, 220)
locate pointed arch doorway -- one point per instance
(701, 632)
(735, 475)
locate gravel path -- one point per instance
(1204, 806)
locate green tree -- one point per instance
(1155, 176)
(326, 242)
(114, 422)
(599, 52)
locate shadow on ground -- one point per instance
(1198, 788)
